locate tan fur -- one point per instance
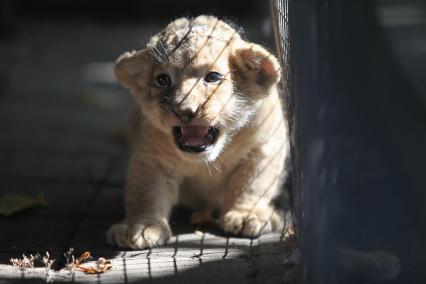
(242, 173)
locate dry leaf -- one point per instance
(13, 203)
(101, 265)
(72, 264)
(84, 256)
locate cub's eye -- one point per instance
(213, 77)
(163, 80)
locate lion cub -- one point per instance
(209, 132)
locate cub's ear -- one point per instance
(129, 66)
(254, 63)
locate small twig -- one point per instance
(101, 265)
(69, 255)
(48, 262)
(24, 262)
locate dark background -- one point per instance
(360, 74)
(14, 14)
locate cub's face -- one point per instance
(198, 82)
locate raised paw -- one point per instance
(138, 235)
(251, 223)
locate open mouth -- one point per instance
(195, 138)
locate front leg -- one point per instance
(249, 192)
(150, 195)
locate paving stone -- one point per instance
(105, 211)
(187, 257)
(46, 228)
(64, 128)
(9, 274)
(32, 165)
(217, 263)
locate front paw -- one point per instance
(138, 235)
(251, 223)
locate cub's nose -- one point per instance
(185, 115)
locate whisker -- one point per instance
(208, 168)
(217, 167)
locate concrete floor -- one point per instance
(61, 113)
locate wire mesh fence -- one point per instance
(281, 19)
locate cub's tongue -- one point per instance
(194, 135)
